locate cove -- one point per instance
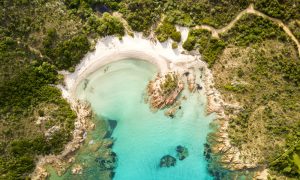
(117, 92)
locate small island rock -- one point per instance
(182, 152)
(167, 161)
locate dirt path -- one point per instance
(250, 10)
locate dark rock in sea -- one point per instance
(107, 134)
(207, 151)
(182, 152)
(85, 83)
(113, 154)
(167, 161)
(112, 174)
(112, 124)
(109, 163)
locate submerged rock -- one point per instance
(112, 124)
(207, 151)
(167, 161)
(109, 163)
(182, 152)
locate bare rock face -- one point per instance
(77, 169)
(41, 173)
(51, 131)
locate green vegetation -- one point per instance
(284, 10)
(289, 162)
(170, 83)
(34, 45)
(65, 54)
(141, 14)
(295, 28)
(105, 26)
(24, 93)
(167, 30)
(268, 94)
(253, 29)
(209, 47)
(195, 12)
(174, 45)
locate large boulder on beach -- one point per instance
(182, 152)
(167, 161)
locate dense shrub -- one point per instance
(284, 10)
(209, 47)
(105, 26)
(141, 14)
(68, 53)
(167, 30)
(254, 29)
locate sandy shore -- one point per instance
(110, 49)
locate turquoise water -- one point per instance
(143, 137)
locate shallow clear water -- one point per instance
(116, 92)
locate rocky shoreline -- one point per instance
(224, 159)
(62, 161)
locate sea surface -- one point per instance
(142, 137)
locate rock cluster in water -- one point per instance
(182, 152)
(108, 163)
(168, 160)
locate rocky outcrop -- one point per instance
(164, 90)
(167, 161)
(182, 152)
(77, 169)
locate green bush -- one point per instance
(167, 30)
(174, 45)
(176, 36)
(189, 44)
(68, 53)
(140, 15)
(209, 47)
(105, 26)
